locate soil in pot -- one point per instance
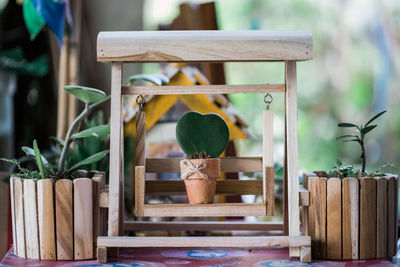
(200, 176)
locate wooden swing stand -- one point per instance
(205, 46)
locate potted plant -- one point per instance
(352, 212)
(203, 138)
(55, 207)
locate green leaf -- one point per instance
(156, 78)
(39, 161)
(368, 129)
(85, 94)
(352, 140)
(346, 124)
(345, 136)
(375, 117)
(93, 158)
(197, 133)
(100, 131)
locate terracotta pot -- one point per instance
(201, 190)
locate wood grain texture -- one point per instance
(381, 217)
(350, 218)
(102, 254)
(64, 219)
(269, 189)
(31, 220)
(47, 238)
(312, 210)
(334, 219)
(221, 46)
(140, 177)
(115, 150)
(367, 218)
(19, 217)
(13, 213)
(392, 216)
(305, 255)
(83, 219)
(228, 164)
(98, 181)
(224, 187)
(268, 162)
(202, 226)
(292, 152)
(205, 241)
(304, 196)
(204, 89)
(140, 151)
(204, 210)
(320, 219)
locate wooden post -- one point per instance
(292, 152)
(392, 216)
(31, 223)
(334, 219)
(139, 190)
(13, 213)
(83, 219)
(45, 191)
(381, 217)
(268, 162)
(64, 220)
(19, 217)
(115, 208)
(98, 182)
(367, 218)
(350, 218)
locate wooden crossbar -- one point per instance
(205, 241)
(197, 46)
(224, 187)
(202, 226)
(203, 89)
(228, 164)
(203, 210)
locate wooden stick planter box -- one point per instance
(57, 220)
(351, 218)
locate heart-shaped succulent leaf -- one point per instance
(197, 133)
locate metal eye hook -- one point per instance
(268, 100)
(141, 102)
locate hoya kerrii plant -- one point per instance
(358, 136)
(202, 136)
(92, 98)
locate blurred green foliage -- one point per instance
(354, 73)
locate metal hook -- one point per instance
(141, 102)
(268, 100)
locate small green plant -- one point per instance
(202, 136)
(359, 136)
(92, 99)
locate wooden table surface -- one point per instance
(156, 257)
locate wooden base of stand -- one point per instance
(105, 243)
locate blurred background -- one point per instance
(354, 73)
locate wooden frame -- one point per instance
(205, 46)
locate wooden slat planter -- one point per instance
(350, 218)
(57, 220)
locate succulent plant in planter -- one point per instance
(92, 99)
(203, 138)
(353, 212)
